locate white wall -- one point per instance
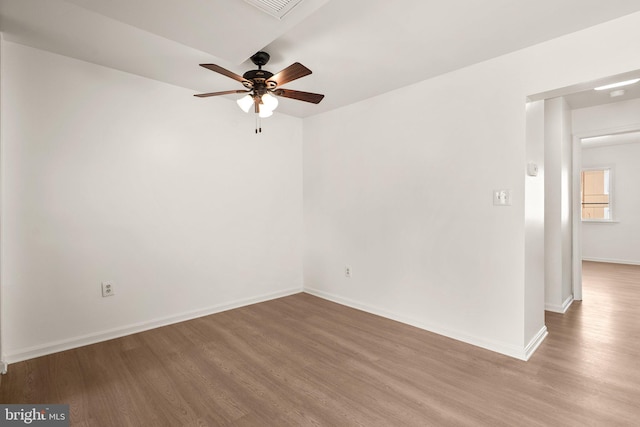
(618, 241)
(558, 219)
(603, 119)
(534, 221)
(400, 187)
(110, 176)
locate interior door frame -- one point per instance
(576, 255)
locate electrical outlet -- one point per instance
(108, 289)
(347, 271)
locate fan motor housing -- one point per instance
(257, 74)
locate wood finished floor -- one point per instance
(304, 361)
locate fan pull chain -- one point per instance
(258, 124)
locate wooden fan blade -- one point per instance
(289, 74)
(226, 92)
(300, 96)
(224, 72)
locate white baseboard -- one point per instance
(3, 367)
(612, 261)
(503, 348)
(67, 344)
(535, 342)
(562, 309)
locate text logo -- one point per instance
(34, 415)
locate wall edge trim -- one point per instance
(497, 347)
(535, 342)
(611, 261)
(562, 308)
(81, 341)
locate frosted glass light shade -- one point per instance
(270, 102)
(264, 113)
(245, 103)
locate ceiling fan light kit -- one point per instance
(245, 103)
(262, 87)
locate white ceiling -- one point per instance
(357, 49)
(591, 98)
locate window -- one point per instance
(595, 194)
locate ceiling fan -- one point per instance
(261, 86)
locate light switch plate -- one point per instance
(502, 197)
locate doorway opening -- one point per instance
(597, 119)
(605, 234)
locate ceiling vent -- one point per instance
(276, 8)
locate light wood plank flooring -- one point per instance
(303, 361)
